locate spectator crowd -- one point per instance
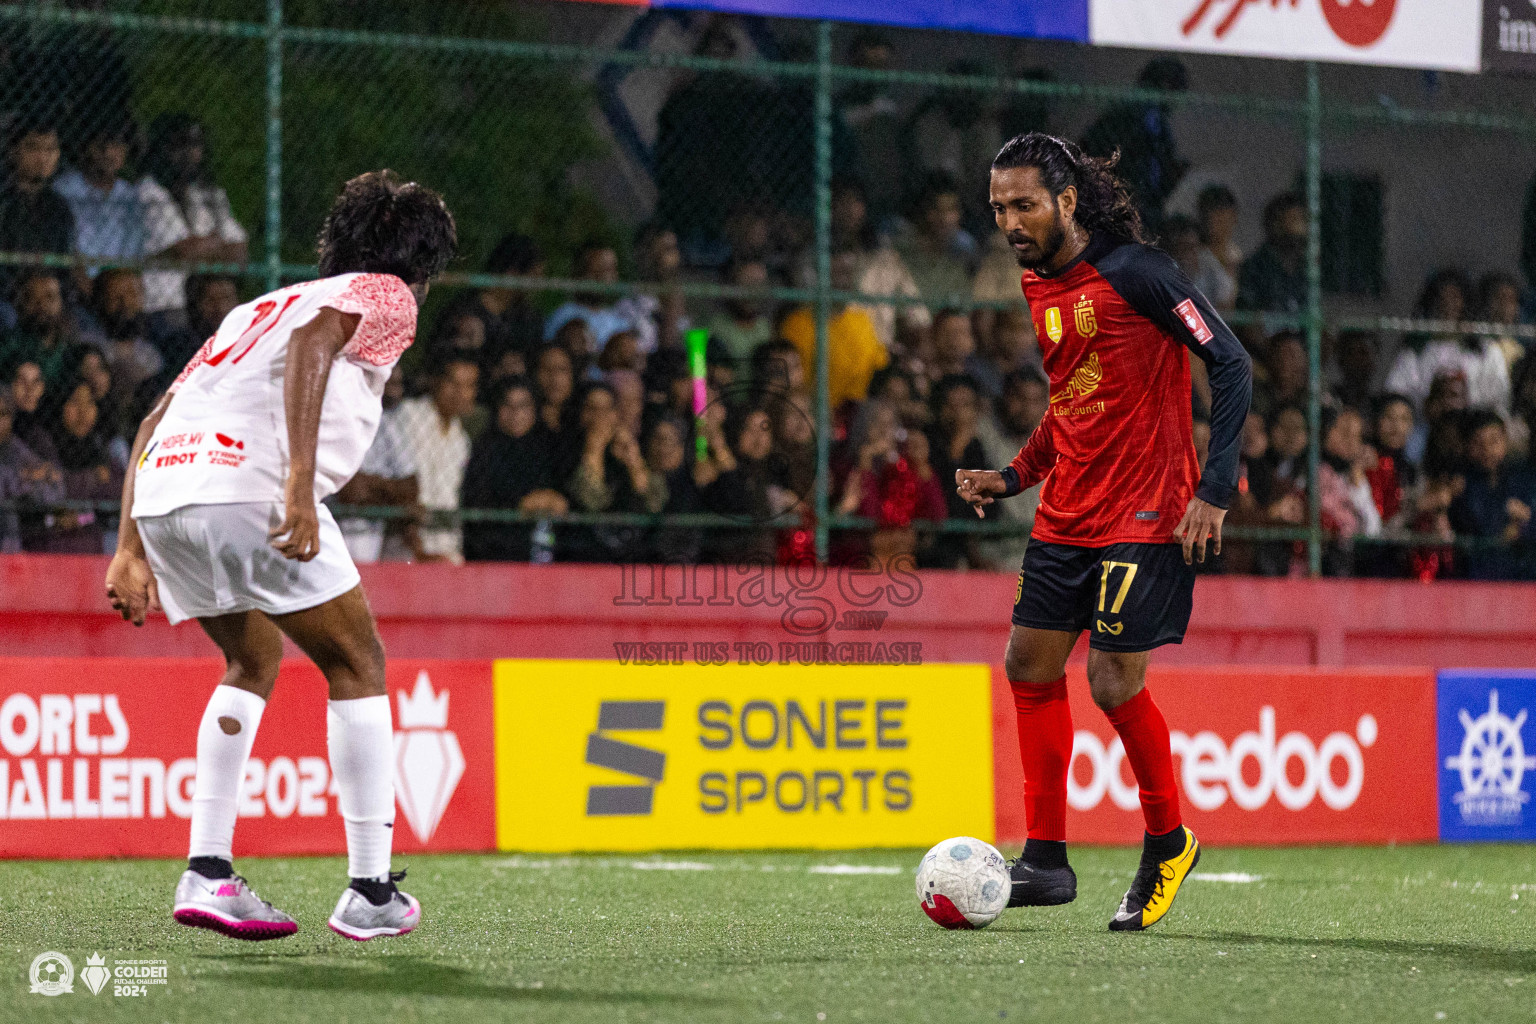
(557, 408)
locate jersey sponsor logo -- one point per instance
(186, 439)
(228, 442)
(217, 457)
(1187, 312)
(1082, 315)
(1104, 627)
(1053, 323)
(176, 459)
(1084, 381)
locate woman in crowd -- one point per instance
(1424, 356)
(1348, 509)
(31, 422)
(88, 473)
(511, 466)
(886, 477)
(610, 476)
(953, 445)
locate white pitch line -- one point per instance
(671, 865)
(1226, 876)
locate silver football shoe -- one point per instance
(359, 919)
(229, 907)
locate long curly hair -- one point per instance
(379, 225)
(1104, 202)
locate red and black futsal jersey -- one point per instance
(1116, 447)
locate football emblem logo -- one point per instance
(1082, 314)
(1053, 323)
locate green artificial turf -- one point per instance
(1339, 934)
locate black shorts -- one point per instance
(1130, 597)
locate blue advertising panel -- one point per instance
(1046, 19)
(1487, 755)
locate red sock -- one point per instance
(1145, 735)
(1045, 747)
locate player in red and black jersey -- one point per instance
(1124, 510)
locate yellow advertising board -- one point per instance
(594, 755)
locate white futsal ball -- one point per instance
(963, 883)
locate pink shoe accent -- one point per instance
(228, 889)
(251, 931)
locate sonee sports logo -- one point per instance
(619, 756)
(52, 974)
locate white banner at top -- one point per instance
(1443, 34)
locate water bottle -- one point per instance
(543, 551)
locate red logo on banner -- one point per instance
(1280, 757)
(98, 759)
(1356, 22)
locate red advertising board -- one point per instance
(98, 757)
(1262, 757)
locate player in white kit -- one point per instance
(222, 522)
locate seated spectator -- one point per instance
(385, 479)
(1348, 507)
(997, 280)
(1498, 302)
(1522, 386)
(622, 353)
(610, 476)
(1247, 507)
(628, 397)
(24, 478)
(118, 301)
(778, 366)
(792, 447)
(1274, 278)
(1394, 476)
(657, 319)
(667, 456)
(906, 396)
(554, 381)
(511, 466)
(854, 351)
(880, 269)
(88, 475)
(508, 317)
(954, 353)
(955, 132)
(1446, 401)
(1003, 430)
(1279, 481)
(1350, 373)
(460, 334)
(45, 332)
(595, 261)
(1219, 257)
(888, 480)
(433, 430)
(762, 485)
(1287, 376)
(186, 215)
(743, 323)
(28, 388)
(1424, 355)
(209, 299)
(33, 217)
(1181, 240)
(109, 221)
(940, 255)
(88, 364)
(1496, 502)
(953, 444)
(580, 343)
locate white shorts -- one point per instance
(217, 559)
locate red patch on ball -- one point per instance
(944, 913)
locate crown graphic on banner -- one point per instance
(421, 708)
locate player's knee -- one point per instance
(1023, 668)
(1110, 686)
(254, 670)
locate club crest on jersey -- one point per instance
(1188, 312)
(1053, 323)
(1082, 314)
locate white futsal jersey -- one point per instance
(224, 437)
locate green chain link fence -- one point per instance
(477, 101)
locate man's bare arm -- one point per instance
(130, 583)
(311, 351)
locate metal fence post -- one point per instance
(274, 143)
(1314, 315)
(823, 282)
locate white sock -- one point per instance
(361, 739)
(224, 739)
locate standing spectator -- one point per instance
(1274, 278)
(118, 298)
(854, 351)
(743, 323)
(940, 254)
(109, 221)
(1496, 502)
(595, 261)
(385, 479)
(88, 474)
(33, 217)
(1015, 415)
(186, 215)
(662, 318)
(24, 477)
(1220, 256)
(610, 476)
(507, 316)
(1498, 302)
(1149, 157)
(45, 332)
(511, 466)
(433, 428)
(873, 118)
(1424, 355)
(209, 299)
(880, 269)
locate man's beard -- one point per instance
(120, 327)
(1054, 240)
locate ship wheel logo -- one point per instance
(1492, 763)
